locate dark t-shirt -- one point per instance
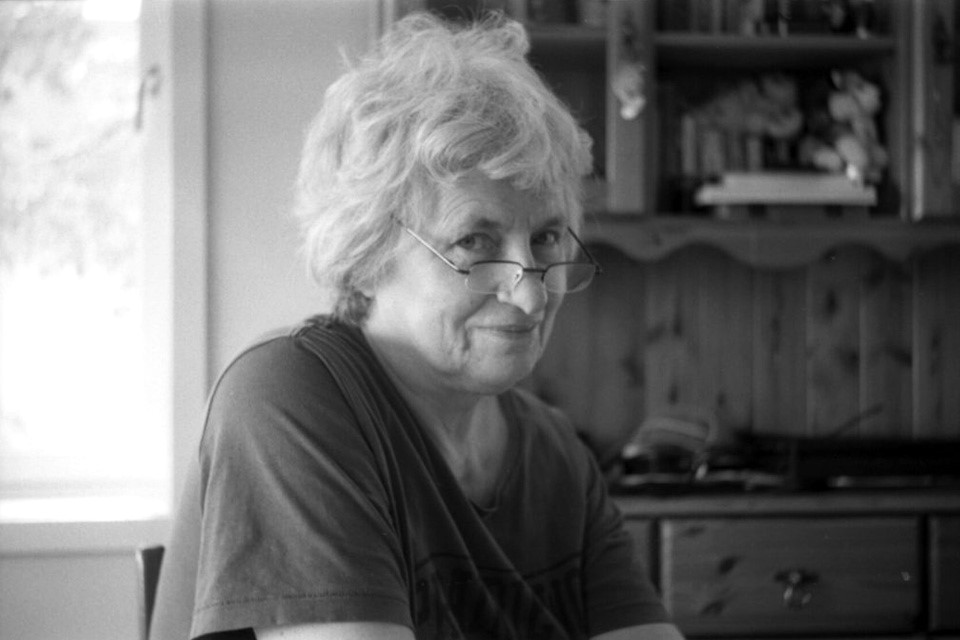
(324, 501)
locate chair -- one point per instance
(149, 560)
(171, 601)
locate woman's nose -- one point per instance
(529, 295)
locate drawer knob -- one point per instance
(796, 583)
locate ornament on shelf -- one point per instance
(628, 81)
(844, 137)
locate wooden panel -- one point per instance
(945, 573)
(724, 330)
(592, 367)
(833, 345)
(887, 348)
(617, 377)
(698, 340)
(619, 323)
(796, 352)
(667, 350)
(723, 576)
(779, 400)
(699, 336)
(937, 344)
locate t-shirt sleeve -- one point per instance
(618, 588)
(296, 523)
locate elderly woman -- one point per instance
(374, 473)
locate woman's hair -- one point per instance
(433, 102)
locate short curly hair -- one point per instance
(433, 102)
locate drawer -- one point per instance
(779, 576)
(945, 573)
(642, 533)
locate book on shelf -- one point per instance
(701, 147)
(785, 188)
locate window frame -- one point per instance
(173, 42)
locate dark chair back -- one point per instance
(149, 560)
(173, 608)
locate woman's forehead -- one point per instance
(478, 201)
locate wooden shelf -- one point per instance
(730, 51)
(568, 44)
(773, 245)
(852, 502)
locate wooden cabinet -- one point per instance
(805, 565)
(653, 162)
(696, 70)
(583, 47)
(684, 50)
(791, 575)
(945, 573)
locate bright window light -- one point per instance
(111, 10)
(74, 444)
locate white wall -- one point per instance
(82, 595)
(268, 62)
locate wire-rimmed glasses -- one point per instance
(503, 276)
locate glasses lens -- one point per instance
(493, 277)
(568, 277)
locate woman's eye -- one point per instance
(547, 238)
(547, 246)
(474, 242)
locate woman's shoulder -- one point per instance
(278, 369)
(277, 385)
(275, 355)
(283, 355)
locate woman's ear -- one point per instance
(354, 305)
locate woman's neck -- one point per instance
(474, 448)
(469, 430)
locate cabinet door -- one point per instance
(783, 576)
(945, 573)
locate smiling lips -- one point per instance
(513, 329)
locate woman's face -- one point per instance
(437, 336)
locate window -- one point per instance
(87, 269)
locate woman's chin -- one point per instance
(497, 379)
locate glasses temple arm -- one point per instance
(586, 251)
(444, 258)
